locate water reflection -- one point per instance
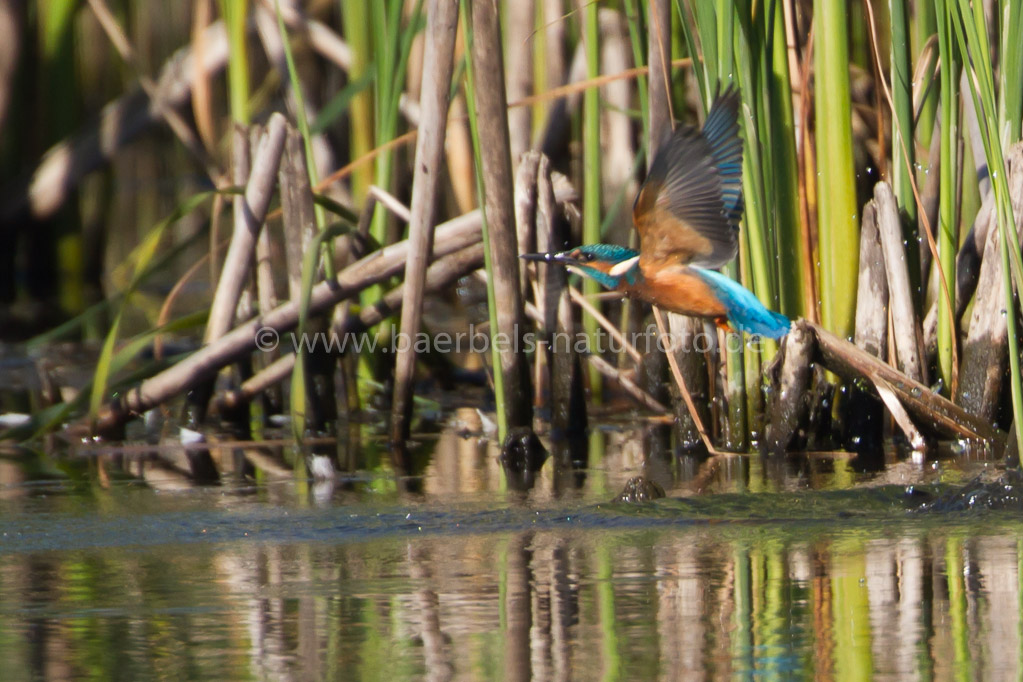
(742, 572)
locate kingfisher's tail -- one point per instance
(745, 311)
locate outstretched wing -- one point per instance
(688, 209)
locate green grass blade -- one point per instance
(141, 256)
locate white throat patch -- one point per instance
(620, 269)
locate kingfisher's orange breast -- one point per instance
(679, 290)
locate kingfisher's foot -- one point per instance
(723, 325)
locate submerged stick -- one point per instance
(441, 26)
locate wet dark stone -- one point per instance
(522, 457)
(638, 490)
(523, 451)
(1003, 493)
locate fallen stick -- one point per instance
(389, 261)
(439, 276)
(929, 408)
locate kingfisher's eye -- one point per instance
(586, 256)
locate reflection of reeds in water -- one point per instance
(661, 603)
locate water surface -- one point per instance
(114, 568)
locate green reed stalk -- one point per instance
(470, 98)
(784, 173)
(699, 64)
(758, 262)
(1010, 106)
(752, 63)
(633, 15)
(903, 150)
(718, 64)
(971, 33)
(235, 14)
(355, 20)
(391, 50)
(925, 25)
(837, 210)
(591, 164)
(948, 223)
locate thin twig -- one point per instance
(579, 299)
(677, 373)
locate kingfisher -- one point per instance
(687, 213)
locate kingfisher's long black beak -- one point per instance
(547, 257)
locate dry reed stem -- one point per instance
(900, 291)
(872, 289)
(321, 37)
(248, 221)
(945, 296)
(898, 412)
(269, 34)
(659, 80)
(495, 156)
(568, 400)
(985, 352)
(441, 27)
(583, 302)
(297, 209)
(202, 89)
(518, 29)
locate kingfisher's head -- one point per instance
(609, 264)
